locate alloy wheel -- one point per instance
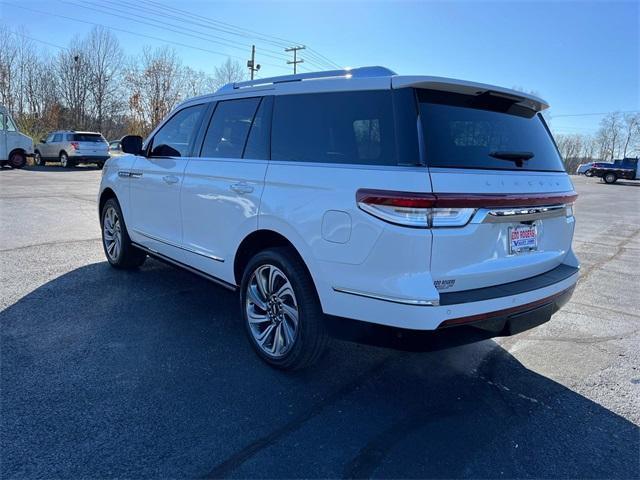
(112, 233)
(272, 310)
(64, 160)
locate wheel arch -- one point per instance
(257, 241)
(18, 150)
(106, 194)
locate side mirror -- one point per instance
(131, 144)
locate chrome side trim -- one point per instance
(195, 271)
(384, 298)
(524, 214)
(181, 247)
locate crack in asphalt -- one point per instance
(45, 244)
(586, 272)
(241, 456)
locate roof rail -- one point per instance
(361, 72)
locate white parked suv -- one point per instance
(403, 204)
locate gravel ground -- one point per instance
(148, 373)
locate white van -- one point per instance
(15, 147)
(403, 204)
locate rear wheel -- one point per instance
(17, 160)
(38, 160)
(117, 245)
(281, 310)
(610, 178)
(65, 161)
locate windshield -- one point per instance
(484, 132)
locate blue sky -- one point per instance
(582, 57)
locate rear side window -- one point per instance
(175, 138)
(485, 132)
(229, 127)
(344, 127)
(86, 137)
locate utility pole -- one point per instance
(295, 61)
(252, 63)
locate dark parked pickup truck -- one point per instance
(627, 169)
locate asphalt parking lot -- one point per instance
(148, 374)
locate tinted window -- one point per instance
(228, 129)
(114, 146)
(87, 137)
(485, 132)
(258, 143)
(345, 127)
(1, 121)
(49, 138)
(176, 137)
(57, 137)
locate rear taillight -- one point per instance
(418, 210)
(432, 210)
(75, 145)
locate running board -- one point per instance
(163, 258)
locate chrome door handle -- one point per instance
(170, 179)
(241, 187)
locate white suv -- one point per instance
(406, 203)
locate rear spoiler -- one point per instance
(468, 88)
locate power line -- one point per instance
(239, 31)
(135, 33)
(591, 114)
(40, 41)
(165, 26)
(279, 55)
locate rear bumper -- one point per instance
(494, 324)
(467, 307)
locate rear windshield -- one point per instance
(485, 132)
(87, 137)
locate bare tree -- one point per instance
(230, 71)
(195, 82)
(631, 134)
(155, 83)
(105, 62)
(609, 135)
(74, 81)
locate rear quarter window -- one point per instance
(463, 131)
(343, 127)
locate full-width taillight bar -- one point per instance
(425, 210)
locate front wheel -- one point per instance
(588, 173)
(17, 160)
(117, 245)
(281, 310)
(610, 178)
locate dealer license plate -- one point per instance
(523, 238)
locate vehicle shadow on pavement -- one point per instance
(108, 373)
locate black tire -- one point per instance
(610, 178)
(100, 165)
(38, 160)
(65, 161)
(128, 257)
(588, 173)
(310, 339)
(17, 160)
